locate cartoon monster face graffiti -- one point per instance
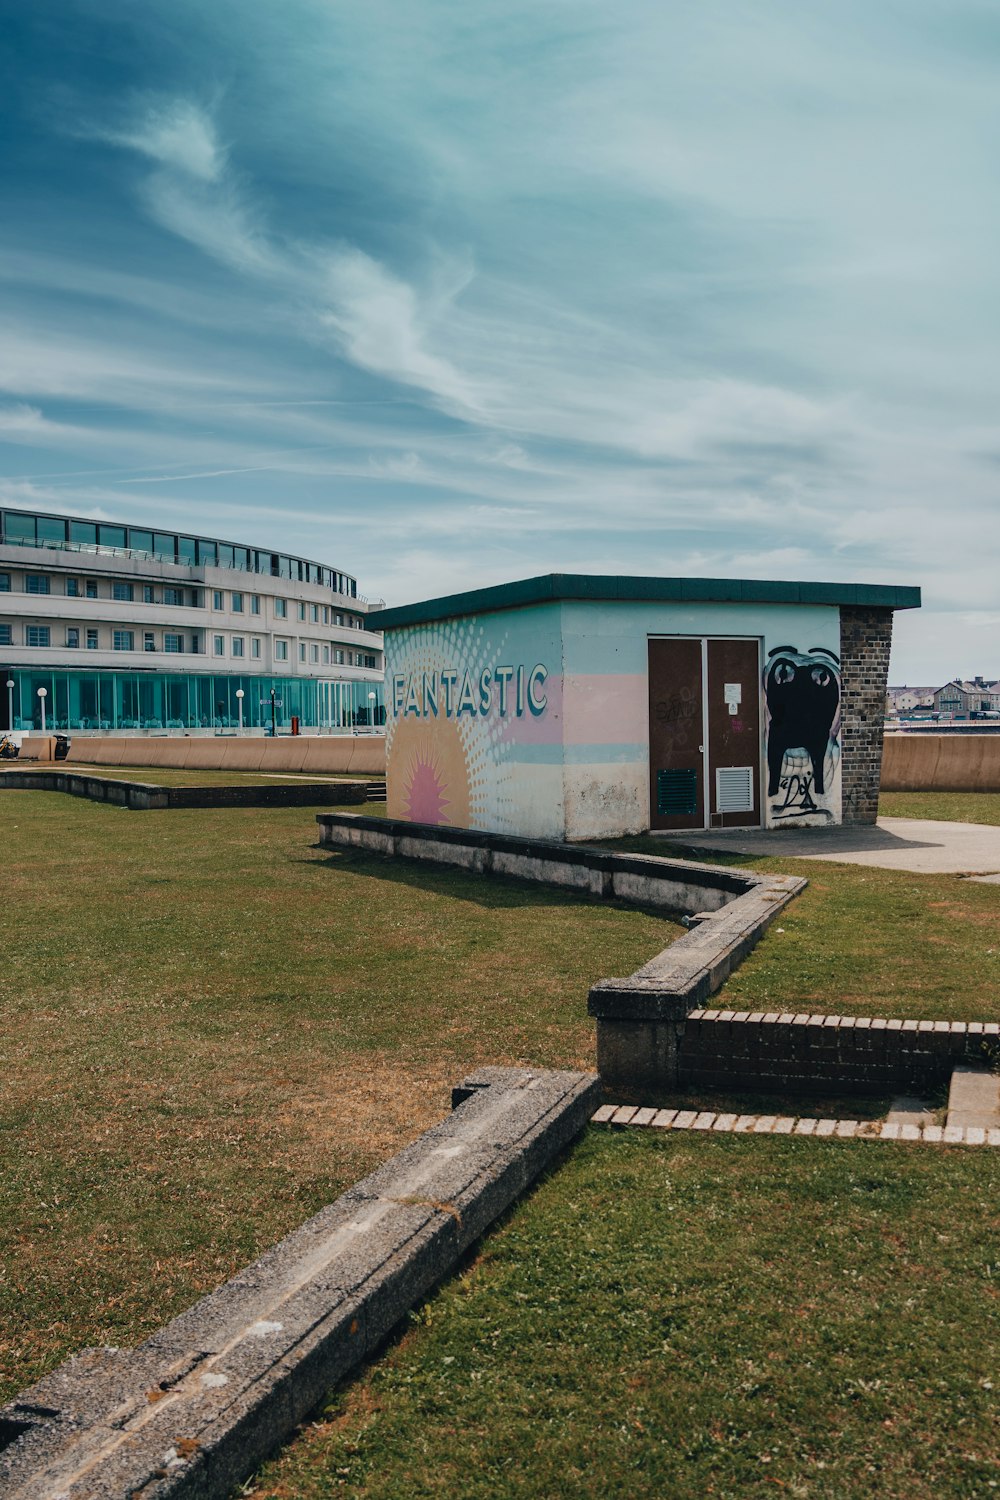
(802, 690)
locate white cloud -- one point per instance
(177, 133)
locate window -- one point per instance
(217, 599)
(72, 588)
(302, 650)
(5, 636)
(148, 596)
(302, 611)
(149, 641)
(36, 635)
(91, 640)
(237, 645)
(123, 640)
(173, 596)
(122, 591)
(314, 613)
(370, 661)
(36, 583)
(340, 619)
(326, 656)
(91, 588)
(72, 637)
(281, 650)
(280, 609)
(173, 643)
(112, 536)
(326, 614)
(51, 529)
(255, 604)
(237, 604)
(84, 532)
(196, 600)
(140, 541)
(339, 658)
(4, 583)
(218, 645)
(255, 647)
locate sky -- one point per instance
(444, 295)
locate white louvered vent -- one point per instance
(734, 789)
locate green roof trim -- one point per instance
(552, 588)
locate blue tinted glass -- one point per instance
(51, 529)
(112, 536)
(140, 541)
(18, 527)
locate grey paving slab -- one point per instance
(907, 1110)
(916, 844)
(974, 1098)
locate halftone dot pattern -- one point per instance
(466, 768)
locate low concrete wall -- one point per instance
(322, 754)
(640, 1019)
(941, 763)
(197, 1407)
(141, 796)
(810, 1054)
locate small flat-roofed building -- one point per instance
(572, 706)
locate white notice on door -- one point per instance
(734, 693)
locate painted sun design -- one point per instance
(430, 780)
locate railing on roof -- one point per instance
(98, 549)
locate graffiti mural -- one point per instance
(802, 694)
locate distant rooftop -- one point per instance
(551, 588)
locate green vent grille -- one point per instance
(676, 793)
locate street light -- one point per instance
(10, 703)
(43, 695)
(371, 711)
(239, 706)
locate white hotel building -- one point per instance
(146, 631)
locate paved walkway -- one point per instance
(650, 1118)
(928, 848)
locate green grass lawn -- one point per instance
(179, 776)
(210, 1028)
(669, 1317)
(868, 942)
(952, 807)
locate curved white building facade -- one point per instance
(144, 631)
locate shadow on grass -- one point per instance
(488, 891)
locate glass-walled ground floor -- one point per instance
(160, 701)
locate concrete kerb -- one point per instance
(197, 1407)
(641, 1018)
(142, 796)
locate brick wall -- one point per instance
(827, 1054)
(865, 639)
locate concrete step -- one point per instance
(974, 1097)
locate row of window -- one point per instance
(174, 642)
(171, 594)
(57, 531)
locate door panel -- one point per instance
(733, 736)
(676, 758)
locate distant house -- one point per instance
(967, 699)
(907, 700)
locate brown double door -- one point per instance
(704, 732)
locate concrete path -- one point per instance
(974, 1098)
(918, 844)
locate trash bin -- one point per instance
(62, 745)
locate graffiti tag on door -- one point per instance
(802, 693)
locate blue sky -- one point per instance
(446, 294)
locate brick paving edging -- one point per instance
(651, 1118)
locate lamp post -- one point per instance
(10, 703)
(42, 694)
(239, 706)
(371, 710)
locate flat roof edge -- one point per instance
(553, 588)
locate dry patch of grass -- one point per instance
(211, 1027)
